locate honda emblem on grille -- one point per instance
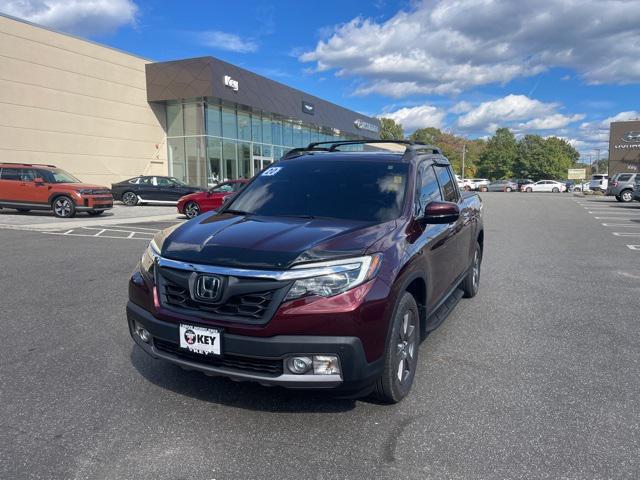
(206, 288)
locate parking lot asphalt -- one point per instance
(536, 377)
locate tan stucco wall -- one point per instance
(77, 105)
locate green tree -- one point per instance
(540, 158)
(390, 130)
(426, 135)
(497, 160)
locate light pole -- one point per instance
(464, 151)
(597, 159)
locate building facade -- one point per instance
(624, 147)
(106, 115)
(224, 122)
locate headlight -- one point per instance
(149, 257)
(342, 275)
(85, 192)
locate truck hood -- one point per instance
(269, 242)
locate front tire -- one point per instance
(129, 199)
(191, 210)
(508, 189)
(529, 190)
(555, 190)
(401, 357)
(471, 282)
(63, 207)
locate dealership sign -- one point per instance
(308, 108)
(628, 141)
(231, 83)
(577, 174)
(363, 125)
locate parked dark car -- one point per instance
(151, 189)
(636, 190)
(325, 271)
(621, 186)
(502, 186)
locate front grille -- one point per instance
(243, 299)
(103, 191)
(235, 362)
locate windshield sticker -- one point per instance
(271, 171)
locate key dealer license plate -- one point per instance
(200, 339)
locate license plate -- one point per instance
(200, 339)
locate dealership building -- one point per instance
(624, 147)
(106, 115)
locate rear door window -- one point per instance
(10, 174)
(625, 177)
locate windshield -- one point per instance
(58, 176)
(363, 191)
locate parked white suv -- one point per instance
(599, 182)
(479, 183)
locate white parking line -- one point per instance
(630, 225)
(634, 247)
(613, 212)
(616, 218)
(626, 234)
(93, 236)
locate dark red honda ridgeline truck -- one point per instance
(325, 272)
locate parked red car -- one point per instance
(194, 204)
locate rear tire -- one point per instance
(508, 189)
(401, 358)
(529, 190)
(63, 207)
(626, 196)
(471, 282)
(129, 199)
(618, 198)
(555, 189)
(484, 189)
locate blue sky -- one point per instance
(550, 67)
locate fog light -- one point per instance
(299, 365)
(326, 365)
(144, 335)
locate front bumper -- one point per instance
(245, 352)
(94, 202)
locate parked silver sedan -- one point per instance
(502, 186)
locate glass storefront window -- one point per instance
(256, 128)
(297, 136)
(229, 123)
(287, 134)
(276, 132)
(196, 173)
(177, 166)
(194, 119)
(214, 157)
(244, 160)
(175, 127)
(214, 122)
(244, 126)
(266, 130)
(306, 136)
(230, 160)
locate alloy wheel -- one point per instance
(191, 210)
(406, 347)
(62, 207)
(476, 270)
(129, 198)
(626, 196)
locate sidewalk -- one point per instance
(119, 215)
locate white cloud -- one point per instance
(421, 116)
(461, 107)
(226, 41)
(445, 46)
(554, 121)
(81, 17)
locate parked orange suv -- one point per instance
(27, 187)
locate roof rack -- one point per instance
(415, 148)
(28, 164)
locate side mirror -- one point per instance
(440, 212)
(38, 181)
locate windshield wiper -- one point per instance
(237, 212)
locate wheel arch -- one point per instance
(53, 196)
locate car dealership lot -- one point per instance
(534, 378)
